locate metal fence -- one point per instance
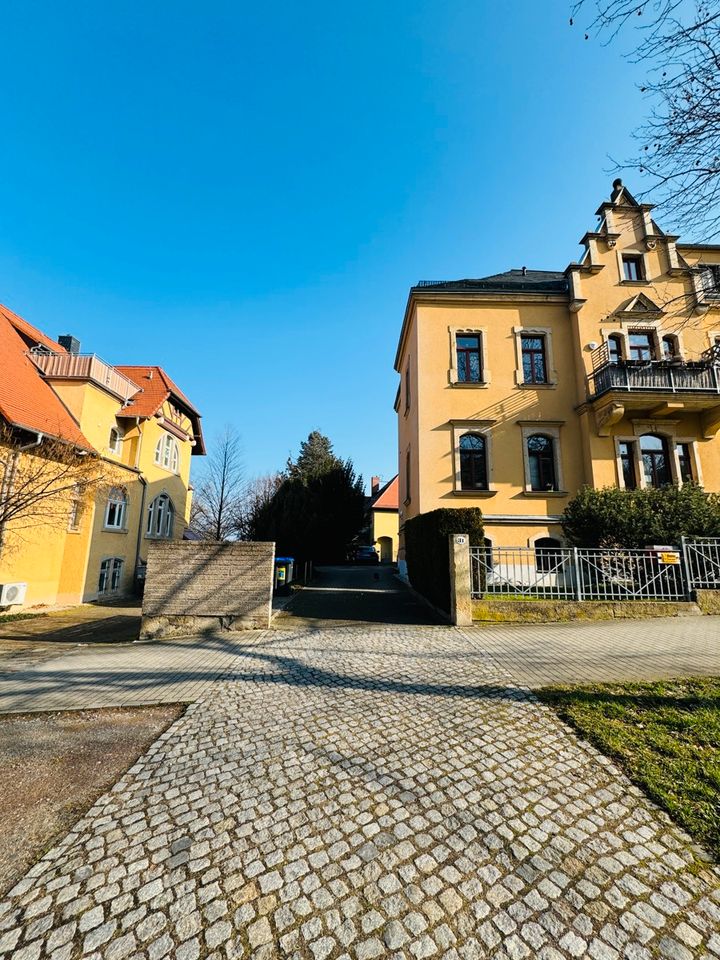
(702, 563)
(580, 573)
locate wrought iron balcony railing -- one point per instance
(655, 376)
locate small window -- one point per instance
(115, 509)
(469, 358)
(166, 453)
(110, 574)
(114, 441)
(656, 463)
(641, 346)
(548, 555)
(615, 352)
(161, 515)
(541, 459)
(669, 347)
(407, 477)
(632, 267)
(76, 509)
(626, 449)
(710, 277)
(533, 359)
(473, 462)
(684, 463)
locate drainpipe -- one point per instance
(9, 478)
(143, 481)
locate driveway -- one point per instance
(354, 594)
(361, 792)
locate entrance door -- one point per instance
(385, 544)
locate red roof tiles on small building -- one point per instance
(388, 498)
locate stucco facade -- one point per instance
(143, 432)
(518, 389)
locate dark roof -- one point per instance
(531, 281)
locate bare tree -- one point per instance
(219, 500)
(43, 484)
(259, 495)
(678, 41)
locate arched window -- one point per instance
(166, 453)
(656, 462)
(116, 509)
(114, 440)
(548, 556)
(473, 462)
(615, 353)
(161, 515)
(669, 347)
(541, 460)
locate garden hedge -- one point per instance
(427, 552)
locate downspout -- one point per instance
(9, 478)
(143, 481)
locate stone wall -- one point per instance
(563, 611)
(191, 587)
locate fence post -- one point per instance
(578, 574)
(686, 568)
(460, 580)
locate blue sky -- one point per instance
(244, 193)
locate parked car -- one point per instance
(366, 555)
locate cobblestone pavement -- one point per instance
(365, 793)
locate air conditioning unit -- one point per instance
(11, 593)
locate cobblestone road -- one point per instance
(364, 793)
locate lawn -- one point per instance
(666, 737)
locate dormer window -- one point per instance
(633, 267)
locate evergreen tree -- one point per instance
(318, 506)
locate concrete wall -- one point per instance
(191, 586)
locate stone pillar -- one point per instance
(460, 581)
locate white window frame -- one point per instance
(481, 333)
(551, 372)
(110, 577)
(117, 498)
(160, 518)
(167, 453)
(115, 447)
(551, 430)
(482, 428)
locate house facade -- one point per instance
(518, 389)
(134, 421)
(384, 517)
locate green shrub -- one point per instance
(427, 552)
(638, 518)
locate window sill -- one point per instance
(538, 386)
(545, 493)
(115, 530)
(634, 283)
(464, 384)
(474, 493)
(156, 536)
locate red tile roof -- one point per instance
(26, 399)
(387, 498)
(155, 387)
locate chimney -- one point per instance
(69, 343)
(374, 485)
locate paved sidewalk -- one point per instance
(355, 793)
(604, 651)
(168, 671)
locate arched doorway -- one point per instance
(385, 547)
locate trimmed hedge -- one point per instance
(637, 518)
(427, 552)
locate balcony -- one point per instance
(84, 366)
(654, 376)
(656, 389)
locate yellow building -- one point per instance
(519, 388)
(133, 422)
(384, 517)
